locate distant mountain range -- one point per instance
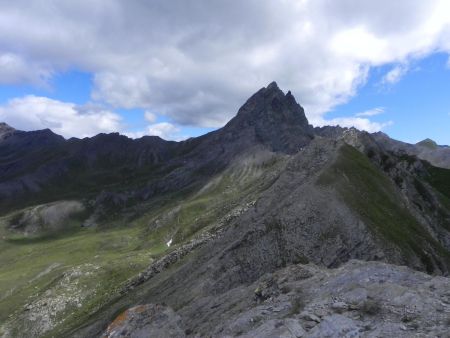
(90, 227)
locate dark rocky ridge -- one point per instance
(31, 163)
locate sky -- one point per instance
(178, 69)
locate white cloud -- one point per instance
(371, 112)
(359, 123)
(165, 130)
(197, 61)
(15, 70)
(67, 119)
(395, 74)
(150, 117)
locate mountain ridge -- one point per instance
(131, 222)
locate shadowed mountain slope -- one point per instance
(427, 150)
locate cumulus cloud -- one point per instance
(67, 119)
(359, 123)
(15, 70)
(165, 130)
(197, 61)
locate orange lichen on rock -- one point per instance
(118, 322)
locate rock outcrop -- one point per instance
(359, 299)
(5, 131)
(427, 150)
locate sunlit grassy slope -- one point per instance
(68, 275)
(95, 262)
(372, 195)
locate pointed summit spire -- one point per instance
(272, 85)
(274, 119)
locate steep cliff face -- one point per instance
(183, 223)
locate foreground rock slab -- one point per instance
(146, 321)
(359, 299)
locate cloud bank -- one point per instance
(197, 61)
(66, 119)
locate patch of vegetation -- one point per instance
(225, 192)
(285, 289)
(422, 190)
(410, 159)
(428, 143)
(119, 248)
(273, 225)
(85, 182)
(439, 178)
(300, 259)
(297, 304)
(371, 307)
(30, 266)
(374, 197)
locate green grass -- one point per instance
(439, 178)
(373, 196)
(121, 246)
(88, 182)
(26, 263)
(428, 144)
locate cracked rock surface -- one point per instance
(358, 299)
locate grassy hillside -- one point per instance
(373, 196)
(67, 276)
(51, 282)
(439, 178)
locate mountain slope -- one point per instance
(307, 301)
(309, 222)
(120, 222)
(426, 150)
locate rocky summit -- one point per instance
(267, 227)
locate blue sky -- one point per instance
(177, 69)
(418, 104)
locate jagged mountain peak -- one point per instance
(271, 103)
(274, 119)
(272, 85)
